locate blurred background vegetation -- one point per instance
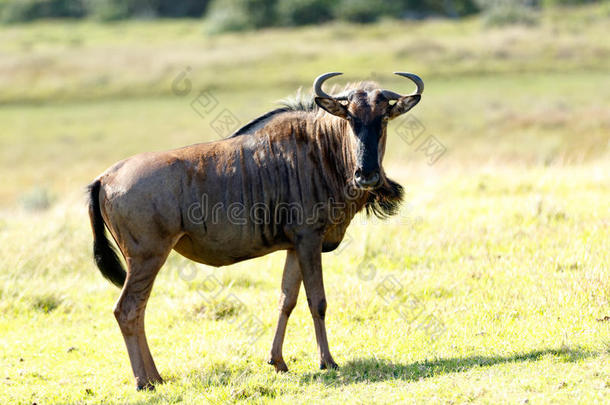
(81, 93)
(237, 15)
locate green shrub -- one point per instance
(365, 11)
(237, 15)
(565, 2)
(13, 11)
(18, 11)
(107, 10)
(302, 12)
(240, 15)
(37, 199)
(221, 19)
(506, 12)
(450, 8)
(183, 8)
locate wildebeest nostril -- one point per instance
(366, 181)
(372, 180)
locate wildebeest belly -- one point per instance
(214, 252)
(222, 246)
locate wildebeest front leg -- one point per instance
(309, 252)
(291, 283)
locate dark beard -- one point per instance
(385, 201)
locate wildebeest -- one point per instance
(322, 157)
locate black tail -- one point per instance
(104, 254)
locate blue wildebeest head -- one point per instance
(367, 113)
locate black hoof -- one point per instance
(280, 366)
(331, 366)
(145, 387)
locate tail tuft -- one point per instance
(104, 254)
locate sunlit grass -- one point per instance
(513, 264)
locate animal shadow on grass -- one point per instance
(375, 370)
(363, 370)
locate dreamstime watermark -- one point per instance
(259, 213)
(210, 211)
(206, 105)
(411, 131)
(408, 307)
(218, 298)
(205, 214)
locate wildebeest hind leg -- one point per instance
(309, 252)
(129, 312)
(291, 283)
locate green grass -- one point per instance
(505, 240)
(513, 263)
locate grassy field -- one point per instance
(502, 245)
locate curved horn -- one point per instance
(317, 84)
(390, 95)
(415, 79)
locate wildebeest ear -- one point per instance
(332, 106)
(403, 105)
